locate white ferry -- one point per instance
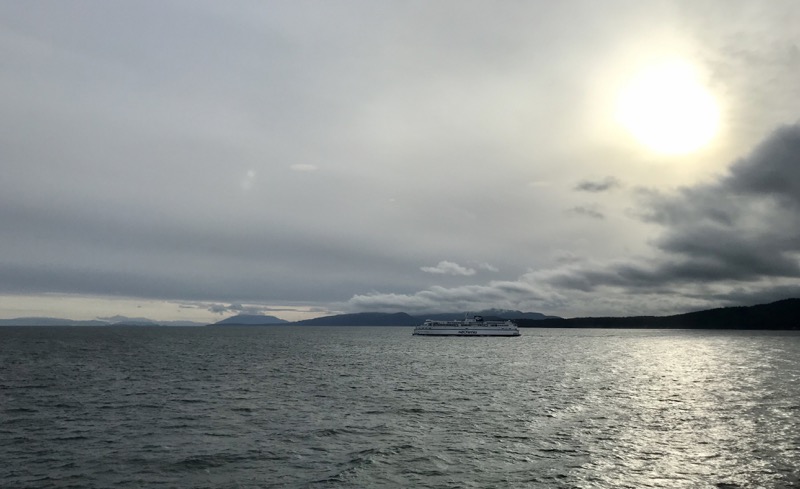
(474, 326)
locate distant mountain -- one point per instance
(403, 319)
(140, 321)
(363, 319)
(34, 321)
(149, 322)
(780, 315)
(181, 323)
(250, 320)
(112, 321)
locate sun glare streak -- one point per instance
(667, 108)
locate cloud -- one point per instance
(304, 167)
(121, 319)
(773, 169)
(743, 228)
(448, 268)
(730, 242)
(222, 308)
(248, 180)
(237, 309)
(746, 226)
(502, 294)
(608, 183)
(588, 211)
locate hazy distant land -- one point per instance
(380, 318)
(780, 315)
(116, 321)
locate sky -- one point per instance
(199, 159)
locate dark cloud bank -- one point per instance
(741, 232)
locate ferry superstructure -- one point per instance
(475, 326)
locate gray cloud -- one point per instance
(236, 308)
(772, 170)
(588, 211)
(742, 229)
(604, 185)
(745, 226)
(448, 268)
(502, 294)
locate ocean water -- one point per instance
(316, 407)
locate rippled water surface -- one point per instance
(378, 407)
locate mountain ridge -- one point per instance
(779, 315)
(34, 321)
(250, 320)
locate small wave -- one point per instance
(512, 437)
(21, 410)
(71, 438)
(243, 410)
(558, 450)
(359, 460)
(413, 410)
(202, 462)
(210, 461)
(220, 435)
(64, 405)
(114, 406)
(337, 478)
(327, 432)
(147, 406)
(382, 451)
(177, 426)
(346, 430)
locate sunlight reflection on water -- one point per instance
(684, 411)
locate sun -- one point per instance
(668, 109)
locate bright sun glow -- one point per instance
(668, 109)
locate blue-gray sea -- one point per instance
(341, 407)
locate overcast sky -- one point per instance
(196, 159)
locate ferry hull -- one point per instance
(465, 332)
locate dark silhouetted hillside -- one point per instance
(781, 315)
